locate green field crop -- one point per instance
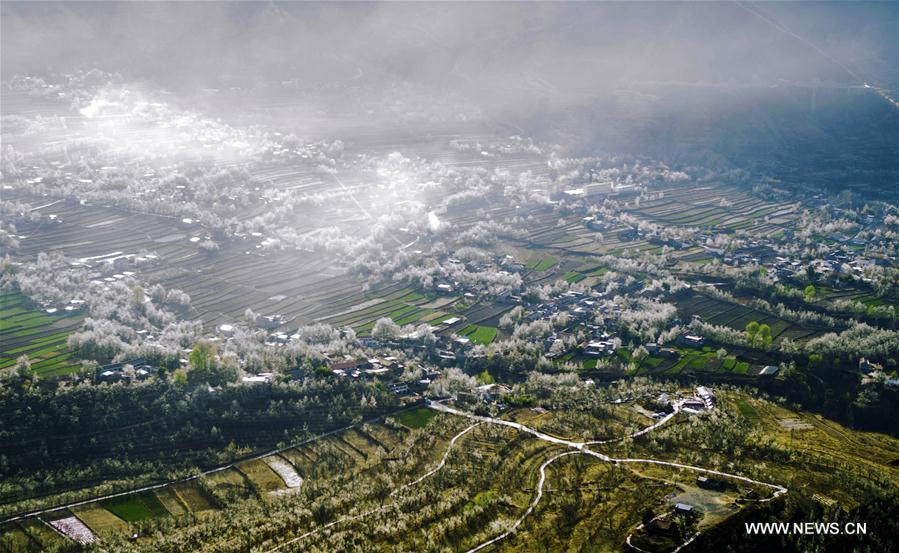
(747, 410)
(40, 336)
(544, 263)
(417, 418)
(482, 335)
(134, 508)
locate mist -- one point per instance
(572, 49)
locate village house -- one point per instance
(260, 378)
(691, 340)
(684, 510)
(693, 405)
(707, 397)
(769, 370)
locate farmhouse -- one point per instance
(492, 392)
(691, 340)
(445, 288)
(268, 322)
(685, 510)
(135, 369)
(693, 405)
(599, 348)
(377, 371)
(866, 366)
(707, 397)
(769, 370)
(261, 378)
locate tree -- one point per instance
(425, 334)
(23, 368)
(640, 354)
(208, 247)
(809, 292)
(451, 381)
(139, 296)
(207, 368)
(752, 329)
(765, 335)
(485, 377)
(202, 356)
(180, 377)
(385, 329)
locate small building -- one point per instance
(691, 340)
(866, 366)
(268, 322)
(598, 348)
(769, 370)
(600, 189)
(684, 510)
(492, 392)
(707, 397)
(261, 378)
(110, 376)
(693, 405)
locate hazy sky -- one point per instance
(570, 46)
(774, 86)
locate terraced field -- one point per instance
(482, 335)
(135, 508)
(25, 330)
(399, 303)
(721, 312)
(489, 478)
(717, 206)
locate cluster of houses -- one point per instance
(106, 269)
(387, 369)
(686, 513)
(703, 400)
(873, 373)
(131, 370)
(71, 306)
(597, 191)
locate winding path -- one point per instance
(581, 447)
(418, 480)
(440, 465)
(531, 507)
